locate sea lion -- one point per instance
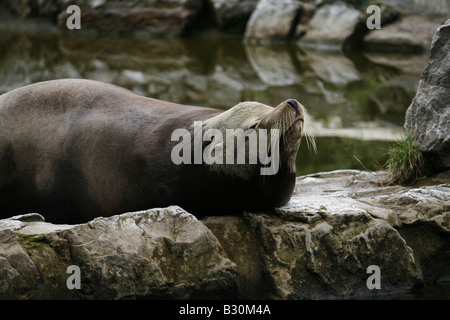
(75, 149)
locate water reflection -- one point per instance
(341, 153)
(360, 97)
(273, 65)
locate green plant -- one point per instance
(405, 163)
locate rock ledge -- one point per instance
(318, 246)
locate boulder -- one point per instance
(232, 15)
(412, 33)
(306, 13)
(154, 18)
(334, 26)
(435, 7)
(159, 253)
(143, 18)
(322, 244)
(272, 20)
(428, 116)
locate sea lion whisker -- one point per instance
(308, 131)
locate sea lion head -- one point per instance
(289, 121)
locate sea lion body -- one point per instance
(73, 150)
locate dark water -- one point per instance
(357, 101)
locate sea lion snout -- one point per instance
(294, 105)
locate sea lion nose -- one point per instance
(293, 104)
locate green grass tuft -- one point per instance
(405, 163)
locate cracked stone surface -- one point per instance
(317, 246)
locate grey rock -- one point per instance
(232, 15)
(318, 245)
(165, 253)
(154, 18)
(307, 259)
(426, 204)
(17, 271)
(435, 7)
(428, 116)
(409, 33)
(143, 18)
(272, 20)
(242, 246)
(306, 13)
(335, 26)
(325, 236)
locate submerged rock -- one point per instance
(319, 245)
